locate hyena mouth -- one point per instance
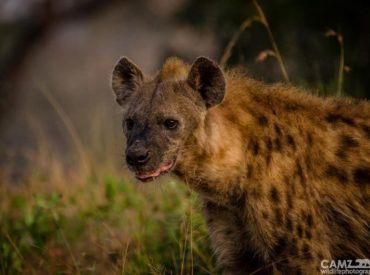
(162, 169)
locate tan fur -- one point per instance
(174, 69)
(284, 176)
(276, 169)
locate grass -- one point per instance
(102, 225)
(275, 52)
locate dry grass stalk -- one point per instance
(262, 56)
(341, 68)
(228, 50)
(277, 54)
(66, 243)
(69, 126)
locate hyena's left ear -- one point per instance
(126, 78)
(207, 78)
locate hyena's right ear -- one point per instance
(126, 78)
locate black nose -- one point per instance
(138, 157)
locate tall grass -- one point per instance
(341, 67)
(260, 18)
(275, 52)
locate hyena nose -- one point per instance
(140, 157)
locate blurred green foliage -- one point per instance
(167, 234)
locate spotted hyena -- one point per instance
(283, 176)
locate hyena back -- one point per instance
(284, 176)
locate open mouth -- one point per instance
(162, 169)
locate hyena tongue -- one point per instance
(152, 174)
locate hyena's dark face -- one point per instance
(160, 115)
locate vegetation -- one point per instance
(102, 225)
(300, 29)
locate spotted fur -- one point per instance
(284, 176)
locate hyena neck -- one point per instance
(213, 161)
(234, 139)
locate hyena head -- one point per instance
(161, 114)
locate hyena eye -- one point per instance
(129, 124)
(171, 124)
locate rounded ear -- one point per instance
(207, 78)
(126, 78)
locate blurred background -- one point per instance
(60, 128)
(67, 48)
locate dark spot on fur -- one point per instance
(366, 130)
(268, 144)
(277, 144)
(361, 175)
(341, 153)
(348, 141)
(278, 217)
(292, 106)
(309, 139)
(332, 118)
(345, 143)
(255, 147)
(289, 224)
(299, 173)
(280, 246)
(309, 220)
(265, 215)
(335, 118)
(299, 230)
(291, 142)
(277, 130)
(262, 120)
(274, 194)
(308, 234)
(334, 172)
(306, 253)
